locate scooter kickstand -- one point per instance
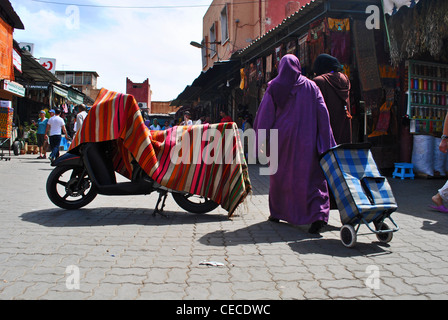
(162, 194)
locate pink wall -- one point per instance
(140, 91)
(246, 22)
(277, 10)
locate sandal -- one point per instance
(441, 208)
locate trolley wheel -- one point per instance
(16, 147)
(348, 235)
(383, 237)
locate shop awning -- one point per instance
(259, 46)
(71, 94)
(392, 6)
(75, 97)
(32, 71)
(206, 84)
(59, 91)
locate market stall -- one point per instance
(418, 38)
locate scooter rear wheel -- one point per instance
(70, 188)
(194, 204)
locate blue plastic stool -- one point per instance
(403, 170)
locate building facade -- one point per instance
(229, 26)
(83, 81)
(141, 92)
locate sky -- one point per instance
(151, 40)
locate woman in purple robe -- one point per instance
(294, 106)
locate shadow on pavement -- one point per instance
(414, 197)
(115, 216)
(298, 239)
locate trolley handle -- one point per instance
(365, 186)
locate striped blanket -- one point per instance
(205, 160)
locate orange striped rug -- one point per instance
(205, 160)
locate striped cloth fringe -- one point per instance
(205, 160)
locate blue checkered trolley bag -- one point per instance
(362, 195)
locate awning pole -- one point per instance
(385, 24)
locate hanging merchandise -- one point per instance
(260, 70)
(419, 32)
(340, 39)
(243, 79)
(316, 38)
(268, 68)
(382, 125)
(278, 56)
(252, 73)
(303, 53)
(366, 57)
(291, 47)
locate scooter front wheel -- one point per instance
(69, 187)
(193, 203)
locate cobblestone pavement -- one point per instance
(120, 250)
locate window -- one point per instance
(213, 40)
(78, 78)
(69, 78)
(61, 77)
(224, 25)
(87, 79)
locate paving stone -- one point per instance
(124, 252)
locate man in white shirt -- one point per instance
(55, 126)
(82, 114)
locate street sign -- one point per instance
(49, 64)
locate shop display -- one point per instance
(427, 96)
(6, 117)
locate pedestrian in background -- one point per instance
(167, 125)
(225, 117)
(335, 88)
(187, 119)
(293, 105)
(82, 114)
(55, 128)
(441, 197)
(155, 125)
(41, 141)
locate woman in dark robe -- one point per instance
(294, 106)
(335, 88)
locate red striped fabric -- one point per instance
(205, 160)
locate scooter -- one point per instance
(81, 174)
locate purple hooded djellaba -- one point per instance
(294, 105)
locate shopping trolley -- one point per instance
(362, 195)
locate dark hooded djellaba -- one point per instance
(335, 88)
